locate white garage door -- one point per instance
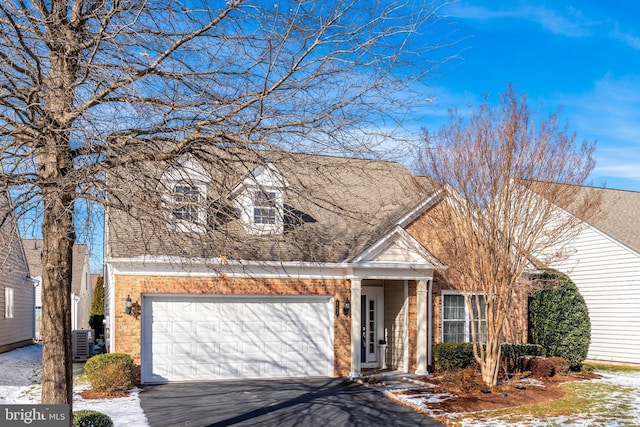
(207, 338)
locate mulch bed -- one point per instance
(503, 397)
(92, 394)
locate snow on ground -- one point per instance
(20, 377)
(124, 411)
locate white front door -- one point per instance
(372, 312)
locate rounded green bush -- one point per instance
(559, 319)
(88, 418)
(110, 372)
(96, 362)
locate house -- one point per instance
(287, 265)
(17, 295)
(604, 263)
(81, 291)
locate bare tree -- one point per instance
(503, 176)
(90, 88)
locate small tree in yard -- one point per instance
(502, 176)
(97, 304)
(92, 90)
(97, 307)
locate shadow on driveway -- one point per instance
(324, 402)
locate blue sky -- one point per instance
(580, 56)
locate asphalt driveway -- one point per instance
(324, 402)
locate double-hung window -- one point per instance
(456, 319)
(186, 200)
(264, 207)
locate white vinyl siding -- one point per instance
(607, 274)
(17, 293)
(394, 315)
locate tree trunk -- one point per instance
(490, 369)
(59, 236)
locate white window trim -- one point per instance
(467, 320)
(184, 225)
(247, 206)
(186, 171)
(265, 178)
(8, 303)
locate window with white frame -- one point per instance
(259, 201)
(186, 199)
(456, 321)
(8, 303)
(264, 207)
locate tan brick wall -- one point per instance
(515, 329)
(128, 328)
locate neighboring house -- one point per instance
(251, 275)
(604, 262)
(81, 291)
(17, 295)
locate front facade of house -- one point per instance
(330, 292)
(17, 296)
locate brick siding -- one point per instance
(129, 328)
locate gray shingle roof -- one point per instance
(33, 251)
(621, 219)
(339, 206)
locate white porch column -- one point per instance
(430, 325)
(422, 327)
(356, 333)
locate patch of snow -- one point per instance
(533, 382)
(419, 401)
(21, 374)
(124, 411)
(20, 383)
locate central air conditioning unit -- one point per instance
(82, 344)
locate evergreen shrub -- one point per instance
(559, 319)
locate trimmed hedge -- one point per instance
(559, 319)
(459, 355)
(88, 418)
(453, 355)
(110, 372)
(513, 355)
(515, 350)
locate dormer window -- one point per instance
(184, 185)
(264, 207)
(259, 200)
(186, 200)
